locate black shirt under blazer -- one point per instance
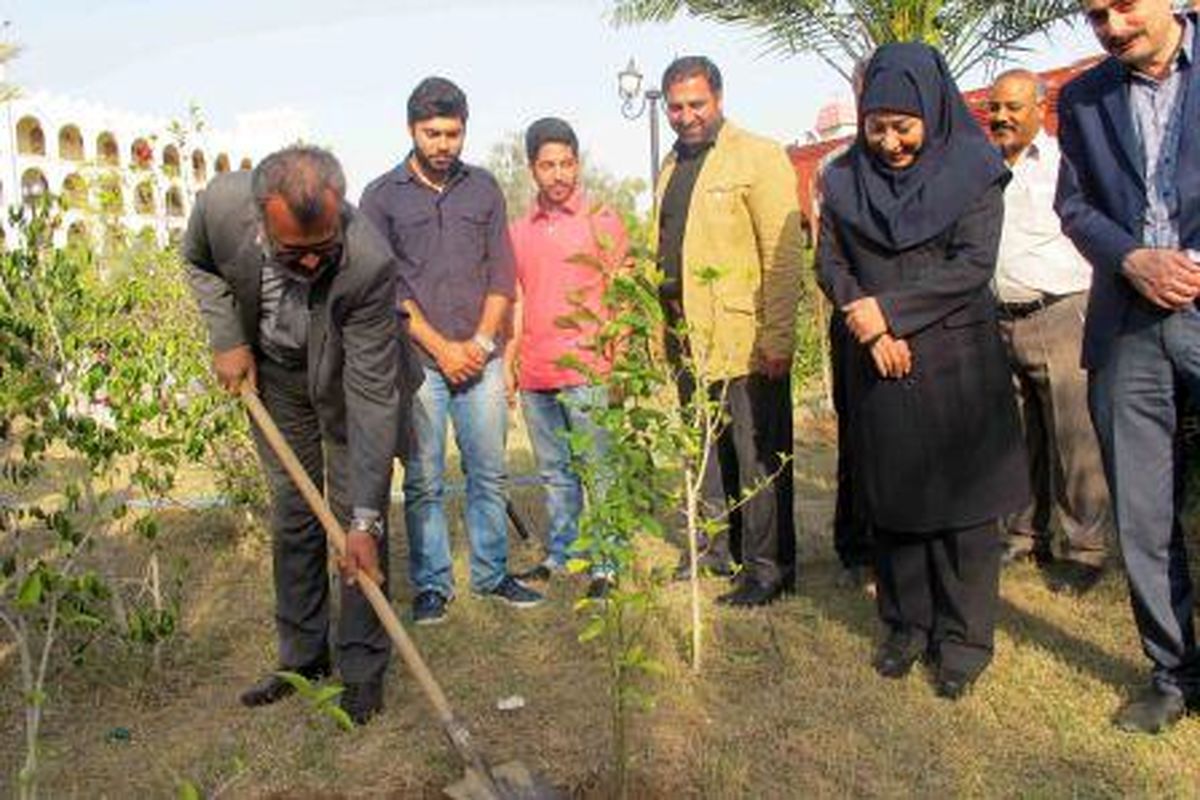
(940, 449)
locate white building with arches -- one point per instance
(142, 171)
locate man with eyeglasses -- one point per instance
(296, 290)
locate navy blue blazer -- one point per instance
(1101, 195)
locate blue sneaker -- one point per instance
(513, 592)
(429, 608)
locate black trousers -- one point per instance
(762, 532)
(943, 587)
(300, 554)
(851, 533)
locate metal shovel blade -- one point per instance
(509, 781)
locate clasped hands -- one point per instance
(865, 320)
(1167, 278)
(460, 361)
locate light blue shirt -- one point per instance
(1157, 107)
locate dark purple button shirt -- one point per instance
(452, 246)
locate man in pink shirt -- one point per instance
(551, 284)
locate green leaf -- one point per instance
(188, 791)
(327, 693)
(577, 566)
(339, 715)
(301, 684)
(30, 593)
(594, 628)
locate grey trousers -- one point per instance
(300, 555)
(1136, 398)
(1065, 468)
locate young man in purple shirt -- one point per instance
(446, 222)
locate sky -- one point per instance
(348, 67)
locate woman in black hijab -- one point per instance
(909, 233)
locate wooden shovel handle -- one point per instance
(408, 650)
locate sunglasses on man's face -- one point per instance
(318, 254)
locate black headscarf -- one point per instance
(899, 209)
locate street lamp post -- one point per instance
(634, 103)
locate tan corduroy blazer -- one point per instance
(743, 224)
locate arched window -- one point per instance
(246, 164)
(107, 152)
(31, 141)
(33, 186)
(74, 191)
(70, 143)
(143, 198)
(222, 163)
(174, 202)
(199, 167)
(170, 160)
(109, 195)
(141, 155)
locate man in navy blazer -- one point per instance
(1129, 197)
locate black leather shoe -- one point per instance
(273, 688)
(749, 594)
(599, 587)
(1072, 577)
(539, 573)
(1151, 712)
(952, 684)
(362, 701)
(709, 565)
(896, 656)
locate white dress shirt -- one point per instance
(1035, 258)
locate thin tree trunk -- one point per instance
(692, 503)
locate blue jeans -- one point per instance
(480, 415)
(552, 416)
(1135, 401)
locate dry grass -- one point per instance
(787, 707)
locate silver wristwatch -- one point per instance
(372, 527)
(486, 343)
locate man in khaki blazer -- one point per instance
(729, 245)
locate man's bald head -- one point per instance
(299, 192)
(307, 179)
(1016, 111)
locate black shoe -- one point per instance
(952, 684)
(709, 565)
(599, 588)
(539, 573)
(361, 701)
(273, 688)
(429, 608)
(896, 656)
(750, 593)
(1151, 712)
(1072, 577)
(513, 592)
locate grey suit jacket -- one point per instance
(360, 363)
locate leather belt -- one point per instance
(1022, 310)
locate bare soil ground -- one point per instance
(787, 706)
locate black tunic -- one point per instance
(940, 449)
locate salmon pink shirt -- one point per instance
(552, 286)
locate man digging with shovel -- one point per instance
(297, 290)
